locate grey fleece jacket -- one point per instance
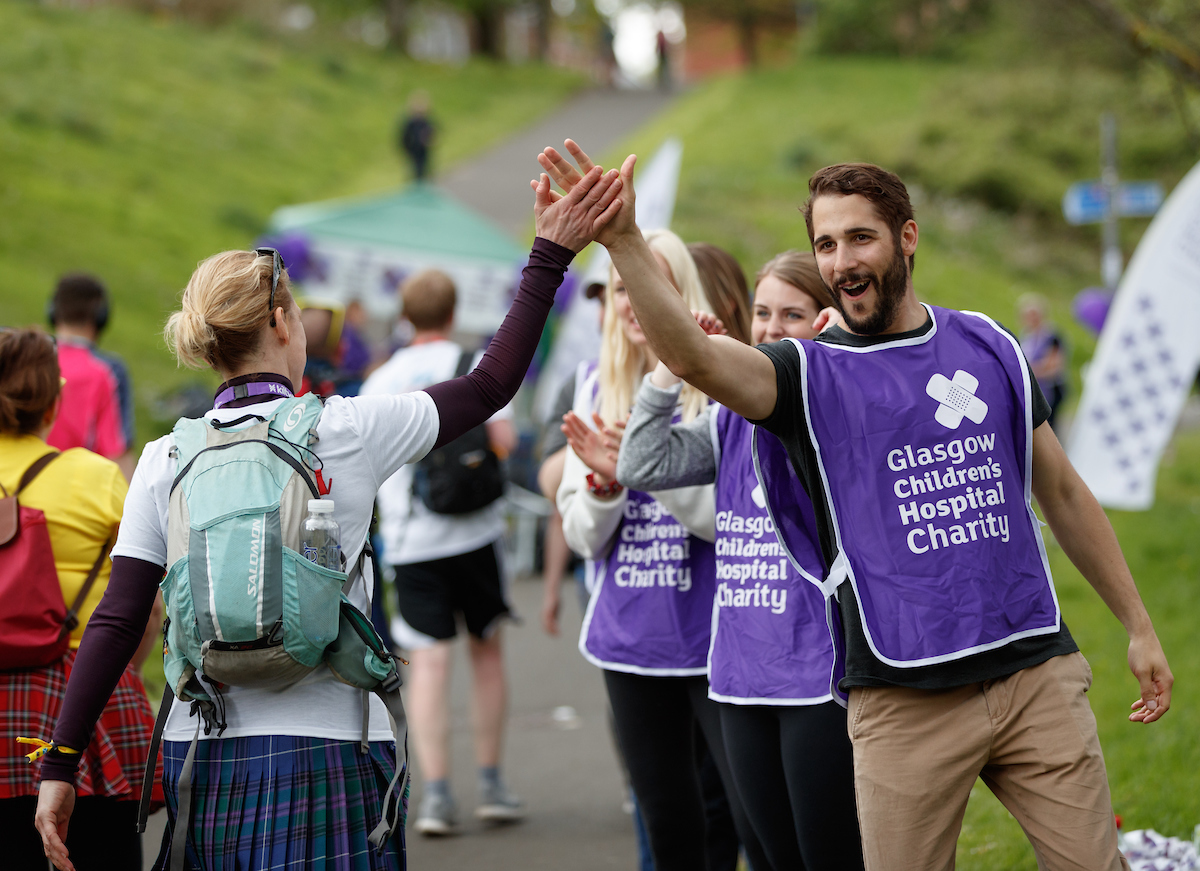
(656, 455)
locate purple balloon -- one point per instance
(1091, 307)
(295, 251)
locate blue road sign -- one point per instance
(1086, 202)
(1139, 199)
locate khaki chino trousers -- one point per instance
(1031, 737)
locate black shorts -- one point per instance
(431, 594)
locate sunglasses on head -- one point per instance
(276, 268)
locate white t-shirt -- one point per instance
(411, 532)
(362, 441)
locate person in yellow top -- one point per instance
(81, 495)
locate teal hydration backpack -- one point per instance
(243, 607)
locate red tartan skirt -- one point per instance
(112, 764)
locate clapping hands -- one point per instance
(598, 448)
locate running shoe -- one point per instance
(497, 804)
(438, 816)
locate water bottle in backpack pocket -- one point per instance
(320, 539)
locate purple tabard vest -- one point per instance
(770, 643)
(925, 450)
(650, 610)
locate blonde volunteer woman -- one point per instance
(80, 494)
(651, 577)
(285, 785)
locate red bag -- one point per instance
(35, 622)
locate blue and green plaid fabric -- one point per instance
(283, 802)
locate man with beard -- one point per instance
(920, 435)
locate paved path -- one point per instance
(497, 182)
(563, 769)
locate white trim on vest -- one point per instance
(758, 475)
(820, 584)
(714, 434)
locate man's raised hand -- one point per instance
(560, 169)
(573, 220)
(567, 177)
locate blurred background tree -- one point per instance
(749, 18)
(905, 27)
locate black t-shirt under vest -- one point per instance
(863, 669)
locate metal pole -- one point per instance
(1111, 261)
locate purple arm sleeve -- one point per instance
(111, 638)
(464, 403)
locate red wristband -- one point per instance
(612, 488)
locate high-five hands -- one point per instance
(574, 219)
(598, 448)
(567, 177)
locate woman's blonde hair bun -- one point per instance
(223, 310)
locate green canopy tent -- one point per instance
(362, 248)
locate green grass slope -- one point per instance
(133, 149)
(987, 154)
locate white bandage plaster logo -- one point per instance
(759, 497)
(956, 399)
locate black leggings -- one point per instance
(102, 835)
(795, 776)
(656, 719)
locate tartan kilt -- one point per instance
(111, 766)
(283, 802)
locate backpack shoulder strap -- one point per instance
(464, 364)
(10, 509)
(189, 436)
(34, 470)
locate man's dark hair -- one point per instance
(79, 299)
(884, 189)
